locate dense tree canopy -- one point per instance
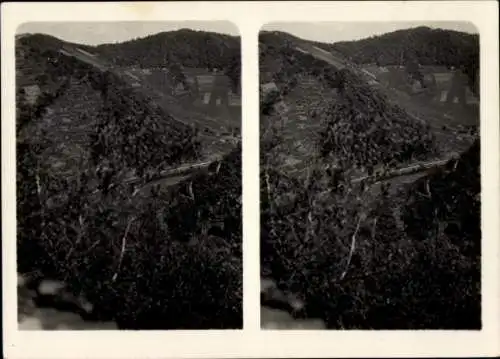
(174, 50)
(422, 45)
(428, 46)
(184, 47)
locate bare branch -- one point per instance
(124, 241)
(353, 243)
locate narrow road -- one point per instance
(410, 170)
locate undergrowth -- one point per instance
(374, 259)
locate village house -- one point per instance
(441, 74)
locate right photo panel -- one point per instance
(370, 176)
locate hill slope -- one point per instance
(403, 254)
(187, 48)
(423, 45)
(328, 108)
(82, 221)
(428, 46)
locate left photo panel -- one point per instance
(129, 186)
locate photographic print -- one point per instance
(214, 179)
(370, 175)
(129, 183)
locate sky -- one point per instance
(330, 32)
(95, 33)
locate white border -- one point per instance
(251, 342)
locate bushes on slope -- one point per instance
(363, 129)
(126, 255)
(129, 133)
(129, 130)
(286, 62)
(81, 231)
(214, 206)
(420, 276)
(442, 214)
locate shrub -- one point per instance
(416, 276)
(166, 277)
(361, 128)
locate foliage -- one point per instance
(215, 205)
(132, 253)
(174, 50)
(423, 45)
(269, 101)
(130, 135)
(188, 48)
(361, 128)
(280, 56)
(428, 46)
(415, 276)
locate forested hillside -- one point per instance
(357, 123)
(173, 50)
(138, 250)
(428, 46)
(415, 262)
(397, 254)
(183, 47)
(422, 44)
(279, 56)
